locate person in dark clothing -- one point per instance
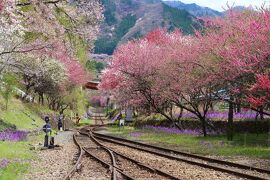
(60, 122)
(77, 118)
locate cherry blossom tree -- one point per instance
(237, 48)
(159, 73)
(62, 29)
(227, 60)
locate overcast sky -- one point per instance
(218, 4)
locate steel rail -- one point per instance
(154, 170)
(75, 167)
(142, 165)
(112, 167)
(108, 165)
(164, 153)
(188, 154)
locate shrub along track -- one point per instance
(235, 169)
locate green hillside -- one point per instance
(179, 19)
(126, 20)
(107, 45)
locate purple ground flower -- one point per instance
(4, 163)
(194, 132)
(13, 135)
(222, 143)
(207, 144)
(136, 134)
(224, 115)
(173, 130)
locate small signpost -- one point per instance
(121, 122)
(47, 129)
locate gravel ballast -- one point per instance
(176, 168)
(54, 163)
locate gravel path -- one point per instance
(54, 163)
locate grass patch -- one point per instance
(86, 121)
(15, 150)
(24, 116)
(250, 145)
(18, 154)
(13, 171)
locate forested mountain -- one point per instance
(194, 9)
(129, 19)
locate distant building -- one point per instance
(92, 85)
(104, 58)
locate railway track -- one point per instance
(78, 162)
(119, 165)
(235, 169)
(132, 168)
(99, 153)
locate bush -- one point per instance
(249, 126)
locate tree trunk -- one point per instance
(238, 108)
(203, 126)
(42, 99)
(230, 121)
(261, 113)
(211, 106)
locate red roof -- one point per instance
(91, 85)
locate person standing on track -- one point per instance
(77, 118)
(60, 122)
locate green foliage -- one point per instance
(110, 112)
(21, 115)
(6, 125)
(126, 2)
(137, 35)
(243, 144)
(79, 46)
(179, 19)
(76, 100)
(94, 66)
(105, 45)
(91, 65)
(14, 150)
(99, 66)
(25, 8)
(13, 171)
(63, 18)
(109, 17)
(109, 12)
(85, 122)
(32, 36)
(126, 23)
(9, 82)
(17, 153)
